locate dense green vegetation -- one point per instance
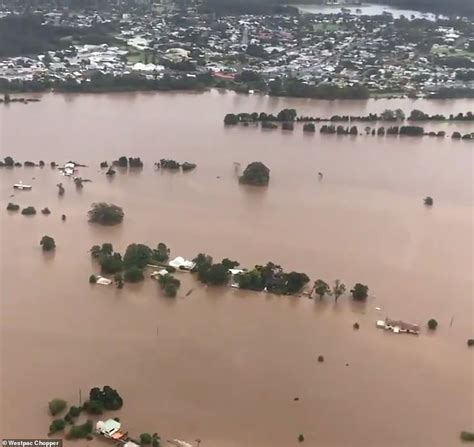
(80, 431)
(57, 406)
(108, 398)
(130, 267)
(321, 288)
(169, 284)
(256, 173)
(124, 162)
(28, 211)
(467, 436)
(273, 279)
(13, 207)
(47, 243)
(56, 425)
(360, 292)
(105, 214)
(133, 274)
(285, 115)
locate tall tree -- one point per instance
(321, 288)
(338, 289)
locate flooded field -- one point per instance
(224, 365)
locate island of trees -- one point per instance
(105, 214)
(256, 174)
(269, 277)
(390, 115)
(287, 117)
(100, 400)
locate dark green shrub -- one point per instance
(57, 406)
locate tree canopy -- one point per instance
(105, 214)
(360, 292)
(256, 173)
(137, 255)
(109, 397)
(47, 243)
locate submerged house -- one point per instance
(234, 278)
(180, 263)
(111, 429)
(398, 326)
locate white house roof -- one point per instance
(110, 426)
(181, 262)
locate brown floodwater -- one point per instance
(224, 365)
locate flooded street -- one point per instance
(224, 365)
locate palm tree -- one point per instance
(338, 289)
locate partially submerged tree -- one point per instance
(256, 173)
(432, 324)
(28, 211)
(105, 214)
(56, 425)
(428, 201)
(338, 289)
(61, 189)
(360, 292)
(321, 288)
(137, 255)
(161, 253)
(57, 406)
(169, 284)
(47, 243)
(145, 439)
(13, 207)
(133, 274)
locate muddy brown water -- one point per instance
(225, 365)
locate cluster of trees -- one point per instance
(101, 400)
(467, 436)
(105, 214)
(459, 136)
(359, 292)
(288, 115)
(273, 279)
(58, 406)
(256, 173)
(47, 243)
(418, 115)
(214, 274)
(282, 116)
(13, 207)
(339, 130)
(174, 165)
(29, 211)
(128, 268)
(412, 131)
(169, 284)
(124, 162)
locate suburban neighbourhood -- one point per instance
(172, 45)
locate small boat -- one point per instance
(21, 186)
